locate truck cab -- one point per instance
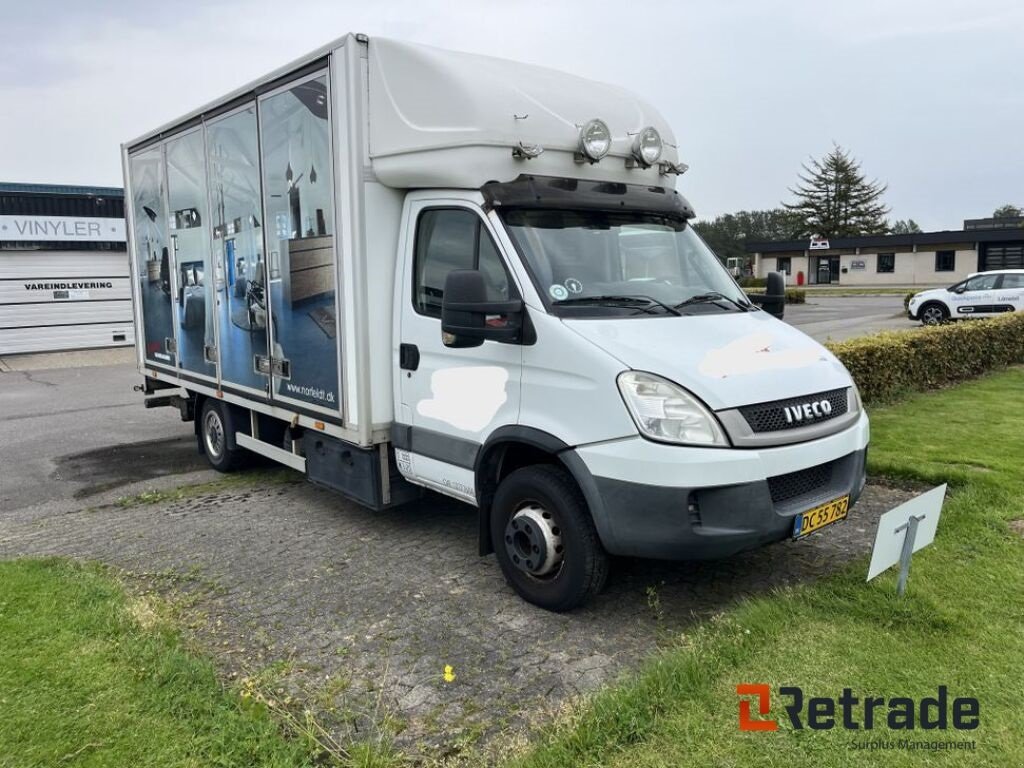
(411, 269)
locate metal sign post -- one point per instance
(904, 530)
(908, 549)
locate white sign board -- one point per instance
(892, 528)
(818, 244)
(62, 228)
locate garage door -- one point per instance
(1003, 257)
(56, 300)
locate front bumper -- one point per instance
(679, 503)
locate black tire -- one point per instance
(933, 314)
(216, 423)
(583, 566)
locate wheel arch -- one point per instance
(514, 446)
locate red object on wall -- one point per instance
(799, 278)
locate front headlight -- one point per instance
(667, 412)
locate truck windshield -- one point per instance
(597, 263)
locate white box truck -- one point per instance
(392, 267)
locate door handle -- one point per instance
(408, 357)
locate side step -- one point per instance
(280, 455)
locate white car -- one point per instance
(982, 294)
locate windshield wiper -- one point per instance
(712, 297)
(620, 298)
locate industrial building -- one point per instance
(64, 277)
(921, 258)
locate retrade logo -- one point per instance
(853, 713)
(761, 691)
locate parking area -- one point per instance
(836, 318)
(359, 612)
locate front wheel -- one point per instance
(545, 540)
(934, 314)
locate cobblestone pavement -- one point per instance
(366, 608)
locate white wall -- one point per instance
(769, 263)
(910, 268)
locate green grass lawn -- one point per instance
(91, 677)
(961, 623)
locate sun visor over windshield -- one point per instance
(577, 194)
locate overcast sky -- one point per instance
(928, 95)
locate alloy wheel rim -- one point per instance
(213, 432)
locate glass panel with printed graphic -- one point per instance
(295, 140)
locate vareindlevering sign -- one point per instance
(62, 228)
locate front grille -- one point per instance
(804, 482)
(771, 417)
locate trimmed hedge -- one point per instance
(887, 365)
(753, 282)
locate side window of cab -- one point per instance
(454, 238)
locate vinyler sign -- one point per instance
(62, 228)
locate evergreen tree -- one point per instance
(1008, 211)
(834, 199)
(907, 227)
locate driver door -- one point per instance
(450, 400)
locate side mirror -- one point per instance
(960, 289)
(773, 300)
(468, 319)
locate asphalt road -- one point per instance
(71, 432)
(839, 318)
(835, 319)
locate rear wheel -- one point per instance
(934, 314)
(216, 423)
(545, 540)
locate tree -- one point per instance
(1007, 211)
(835, 200)
(728, 234)
(907, 227)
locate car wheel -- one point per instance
(933, 314)
(545, 540)
(216, 422)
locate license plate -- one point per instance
(815, 519)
